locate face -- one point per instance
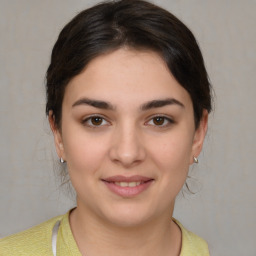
(128, 137)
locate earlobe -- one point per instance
(199, 136)
(57, 136)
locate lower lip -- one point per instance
(128, 191)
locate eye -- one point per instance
(161, 121)
(94, 121)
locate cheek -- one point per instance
(174, 152)
(84, 153)
(172, 158)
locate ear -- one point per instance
(57, 136)
(199, 136)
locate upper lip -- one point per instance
(120, 178)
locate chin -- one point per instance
(127, 216)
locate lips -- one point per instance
(128, 186)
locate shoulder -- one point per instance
(192, 244)
(34, 241)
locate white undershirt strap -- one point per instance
(54, 237)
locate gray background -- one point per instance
(224, 208)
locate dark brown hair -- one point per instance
(127, 23)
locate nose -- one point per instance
(127, 148)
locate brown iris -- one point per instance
(96, 120)
(158, 120)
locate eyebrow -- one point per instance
(94, 103)
(146, 106)
(161, 103)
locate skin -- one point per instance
(128, 140)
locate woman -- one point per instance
(128, 99)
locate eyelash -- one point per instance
(167, 121)
(91, 125)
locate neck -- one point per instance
(93, 236)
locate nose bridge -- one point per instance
(127, 147)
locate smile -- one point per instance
(128, 186)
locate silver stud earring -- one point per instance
(62, 161)
(195, 160)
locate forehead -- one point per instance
(126, 76)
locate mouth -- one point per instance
(128, 186)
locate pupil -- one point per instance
(158, 120)
(96, 120)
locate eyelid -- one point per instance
(167, 118)
(87, 118)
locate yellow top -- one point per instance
(37, 241)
